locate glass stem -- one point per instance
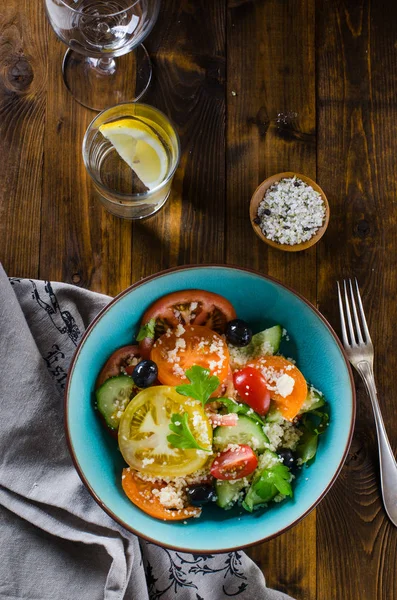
(107, 66)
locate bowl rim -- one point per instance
(86, 334)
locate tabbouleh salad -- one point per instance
(206, 412)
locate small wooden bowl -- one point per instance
(258, 197)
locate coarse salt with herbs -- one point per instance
(291, 212)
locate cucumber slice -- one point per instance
(271, 336)
(313, 401)
(274, 415)
(260, 341)
(113, 397)
(227, 492)
(259, 345)
(247, 431)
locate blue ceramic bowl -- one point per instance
(262, 302)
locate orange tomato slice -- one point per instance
(175, 352)
(140, 493)
(273, 367)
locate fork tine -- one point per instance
(349, 316)
(342, 318)
(356, 319)
(362, 313)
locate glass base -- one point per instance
(131, 212)
(99, 83)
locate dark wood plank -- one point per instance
(271, 128)
(357, 116)
(188, 50)
(80, 242)
(271, 122)
(44, 191)
(23, 80)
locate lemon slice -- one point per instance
(140, 148)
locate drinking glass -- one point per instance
(106, 62)
(119, 188)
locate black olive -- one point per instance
(200, 494)
(297, 183)
(238, 333)
(145, 373)
(257, 221)
(267, 212)
(287, 457)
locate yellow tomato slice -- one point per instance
(144, 428)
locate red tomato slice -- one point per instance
(187, 307)
(197, 345)
(234, 464)
(118, 359)
(291, 404)
(252, 389)
(140, 493)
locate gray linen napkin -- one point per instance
(56, 542)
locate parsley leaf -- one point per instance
(268, 484)
(202, 384)
(146, 331)
(277, 477)
(312, 424)
(241, 409)
(182, 437)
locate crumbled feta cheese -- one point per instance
(180, 330)
(201, 345)
(285, 385)
(285, 335)
(172, 355)
(178, 371)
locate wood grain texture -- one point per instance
(357, 115)
(23, 81)
(271, 122)
(80, 243)
(188, 50)
(271, 129)
(254, 88)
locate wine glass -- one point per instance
(106, 62)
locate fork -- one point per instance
(360, 352)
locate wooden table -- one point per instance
(255, 88)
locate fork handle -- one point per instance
(387, 462)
